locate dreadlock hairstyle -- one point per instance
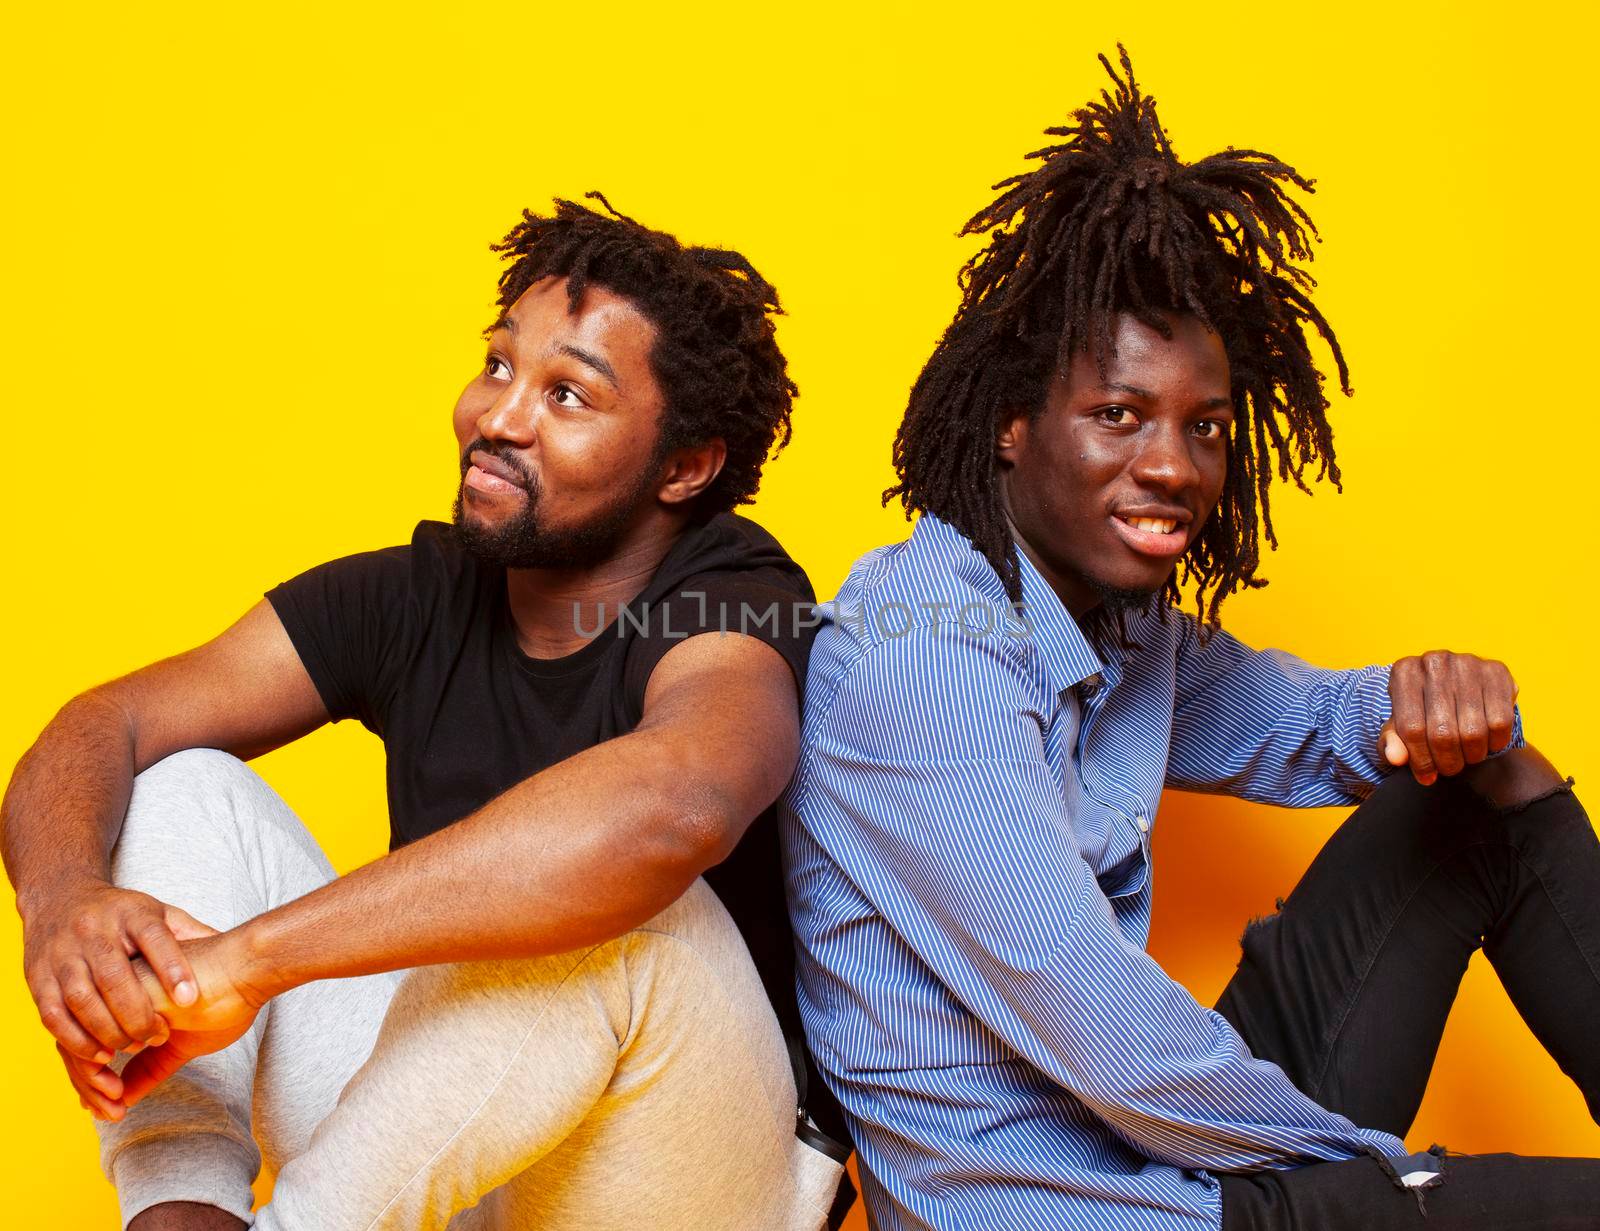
(715, 356)
(1112, 222)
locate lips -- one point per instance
(1162, 533)
(492, 476)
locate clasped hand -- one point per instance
(220, 1009)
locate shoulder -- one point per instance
(929, 580)
(435, 549)
(929, 604)
(728, 551)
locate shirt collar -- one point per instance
(1069, 659)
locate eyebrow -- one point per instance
(589, 359)
(1113, 386)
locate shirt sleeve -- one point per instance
(724, 604)
(1267, 726)
(930, 757)
(351, 621)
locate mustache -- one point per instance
(524, 476)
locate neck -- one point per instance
(556, 611)
(1076, 595)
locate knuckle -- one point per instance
(150, 930)
(85, 925)
(110, 973)
(80, 996)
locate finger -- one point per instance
(1410, 717)
(1499, 708)
(102, 1107)
(121, 990)
(160, 948)
(1439, 700)
(148, 1070)
(1471, 720)
(185, 926)
(68, 1033)
(84, 1072)
(82, 998)
(1390, 746)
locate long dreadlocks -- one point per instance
(1112, 222)
(716, 354)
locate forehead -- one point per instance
(542, 322)
(1193, 358)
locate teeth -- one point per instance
(1155, 525)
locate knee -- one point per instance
(194, 769)
(186, 794)
(1514, 779)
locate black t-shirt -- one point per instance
(417, 642)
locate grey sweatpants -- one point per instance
(641, 1083)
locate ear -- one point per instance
(690, 470)
(1011, 437)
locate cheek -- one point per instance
(581, 462)
(1213, 468)
(464, 419)
(1079, 466)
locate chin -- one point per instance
(1128, 593)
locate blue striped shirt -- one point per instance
(968, 847)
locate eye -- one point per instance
(496, 368)
(566, 395)
(1116, 416)
(1210, 429)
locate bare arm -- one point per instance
(246, 692)
(576, 854)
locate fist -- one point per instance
(1449, 711)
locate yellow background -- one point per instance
(247, 265)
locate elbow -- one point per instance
(703, 825)
(705, 811)
(703, 799)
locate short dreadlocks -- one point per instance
(716, 356)
(1112, 222)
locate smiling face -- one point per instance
(558, 432)
(1112, 481)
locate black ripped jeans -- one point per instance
(1348, 986)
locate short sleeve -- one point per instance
(351, 621)
(752, 604)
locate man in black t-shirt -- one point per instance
(556, 1020)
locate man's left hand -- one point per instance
(1449, 711)
(225, 1009)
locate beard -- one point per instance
(1117, 598)
(527, 541)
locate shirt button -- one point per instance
(1142, 823)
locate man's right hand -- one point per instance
(78, 946)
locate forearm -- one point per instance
(66, 801)
(575, 855)
(1276, 730)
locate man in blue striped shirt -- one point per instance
(994, 707)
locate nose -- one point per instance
(509, 418)
(1165, 461)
